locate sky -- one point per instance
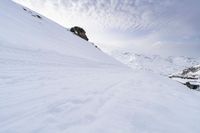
(144, 26)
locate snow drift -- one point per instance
(54, 82)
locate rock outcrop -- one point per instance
(79, 32)
(192, 86)
(189, 77)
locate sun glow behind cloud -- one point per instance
(115, 24)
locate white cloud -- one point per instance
(117, 21)
(108, 13)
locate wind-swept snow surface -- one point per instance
(54, 82)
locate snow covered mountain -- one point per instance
(52, 81)
(163, 65)
(189, 73)
(189, 76)
(182, 69)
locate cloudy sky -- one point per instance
(152, 26)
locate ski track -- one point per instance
(52, 97)
(28, 102)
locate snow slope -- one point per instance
(54, 82)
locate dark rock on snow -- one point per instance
(191, 86)
(189, 77)
(79, 32)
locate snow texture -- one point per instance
(54, 82)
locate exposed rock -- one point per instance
(189, 73)
(33, 14)
(192, 86)
(37, 16)
(189, 77)
(79, 32)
